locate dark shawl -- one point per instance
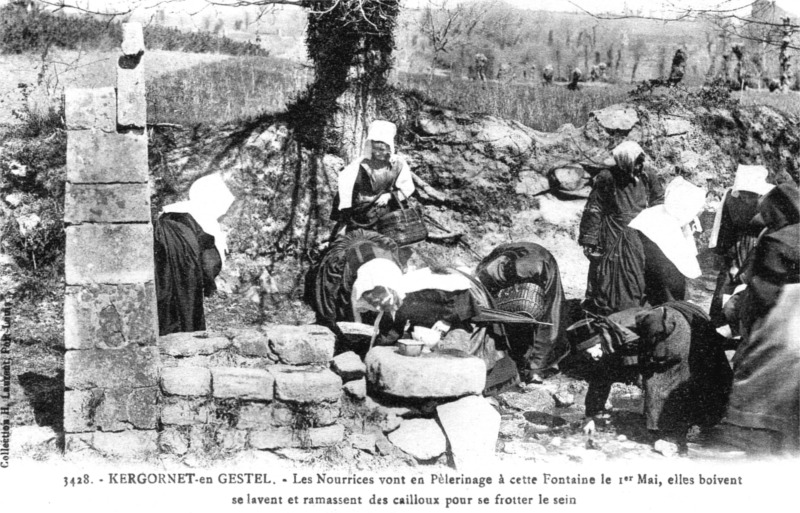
(187, 261)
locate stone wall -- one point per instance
(111, 365)
(263, 389)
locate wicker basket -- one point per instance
(526, 298)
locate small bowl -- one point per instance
(408, 347)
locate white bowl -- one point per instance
(408, 347)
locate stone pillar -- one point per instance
(112, 360)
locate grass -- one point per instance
(787, 103)
(541, 108)
(225, 92)
(243, 88)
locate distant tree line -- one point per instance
(35, 30)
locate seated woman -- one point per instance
(684, 372)
(189, 253)
(366, 185)
(536, 348)
(667, 235)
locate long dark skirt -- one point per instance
(187, 262)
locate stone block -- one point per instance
(255, 416)
(192, 344)
(306, 385)
(349, 366)
(110, 409)
(184, 412)
(421, 438)
(230, 439)
(531, 183)
(570, 178)
(191, 381)
(131, 367)
(131, 444)
(173, 441)
(274, 438)
(131, 97)
(132, 38)
(86, 109)
(471, 426)
(99, 253)
(356, 389)
(254, 384)
(94, 156)
(534, 399)
(107, 203)
(355, 334)
(310, 414)
(77, 412)
(251, 342)
(616, 118)
(325, 436)
(301, 345)
(430, 375)
(110, 316)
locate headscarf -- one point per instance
(748, 178)
(378, 272)
(379, 131)
(668, 225)
(626, 154)
(779, 208)
(209, 199)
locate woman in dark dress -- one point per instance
(536, 348)
(615, 252)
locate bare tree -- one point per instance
(445, 25)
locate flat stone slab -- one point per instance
(232, 382)
(306, 385)
(471, 425)
(189, 381)
(533, 399)
(181, 411)
(94, 156)
(103, 253)
(301, 345)
(131, 367)
(615, 118)
(428, 375)
(107, 203)
(110, 316)
(349, 366)
(355, 333)
(110, 409)
(132, 444)
(192, 344)
(421, 438)
(356, 389)
(531, 183)
(85, 109)
(251, 342)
